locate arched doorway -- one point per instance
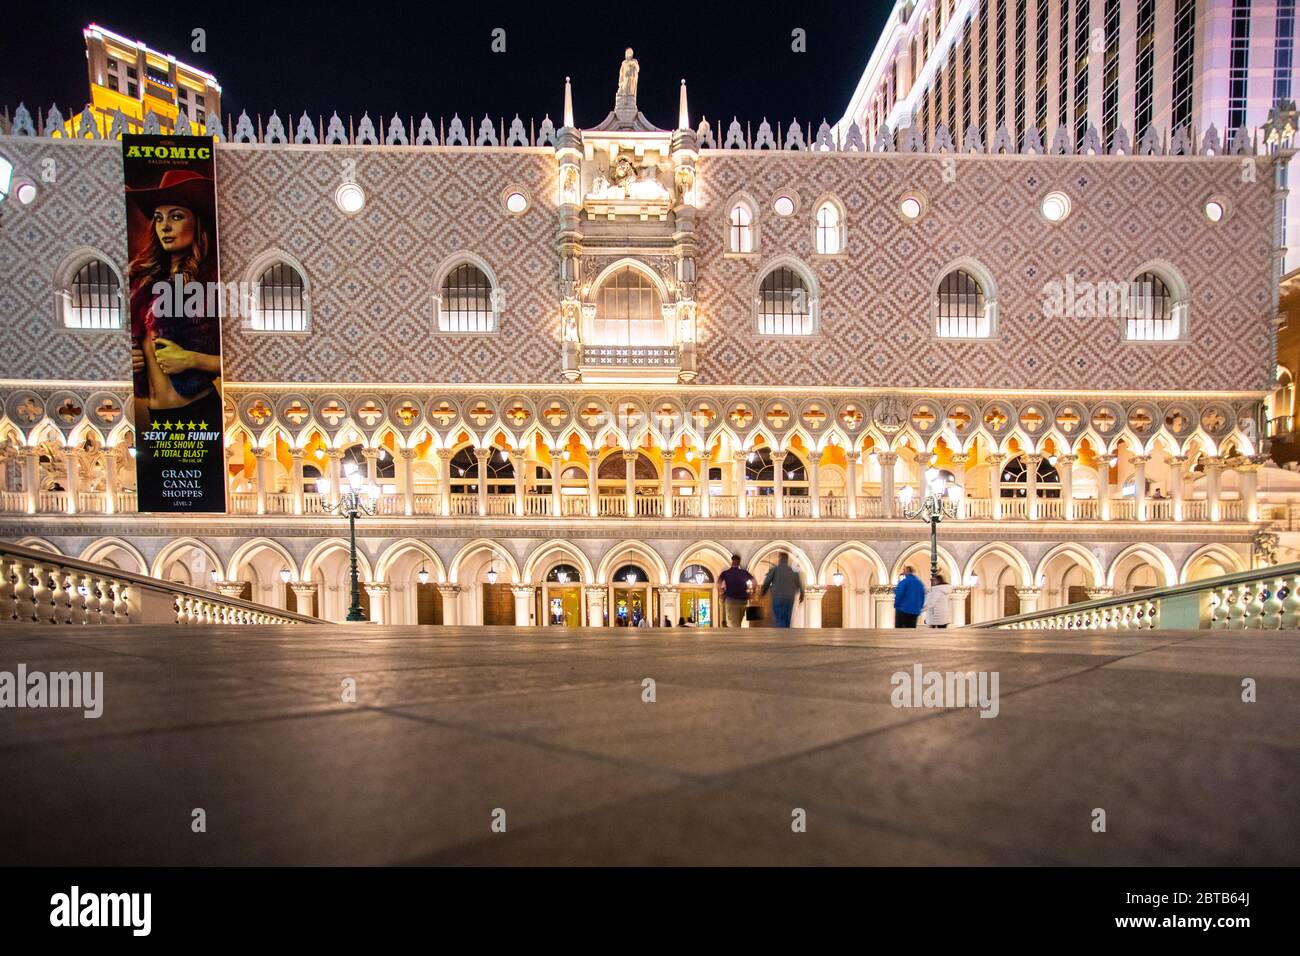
(630, 597)
(698, 597)
(561, 597)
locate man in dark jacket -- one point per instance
(785, 583)
(909, 598)
(737, 583)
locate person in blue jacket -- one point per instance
(909, 598)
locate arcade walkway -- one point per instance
(550, 726)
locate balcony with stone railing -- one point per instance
(641, 505)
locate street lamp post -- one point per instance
(938, 502)
(356, 498)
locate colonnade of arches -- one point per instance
(557, 583)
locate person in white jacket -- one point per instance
(938, 603)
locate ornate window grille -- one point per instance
(94, 298)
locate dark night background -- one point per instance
(436, 57)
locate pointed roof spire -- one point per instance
(568, 104)
(683, 118)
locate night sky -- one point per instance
(435, 57)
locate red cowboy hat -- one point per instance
(178, 187)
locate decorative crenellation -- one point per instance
(513, 133)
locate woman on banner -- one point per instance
(176, 358)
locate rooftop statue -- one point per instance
(627, 74)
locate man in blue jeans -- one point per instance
(784, 582)
(909, 598)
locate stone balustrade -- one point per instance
(43, 588)
(646, 505)
(1262, 599)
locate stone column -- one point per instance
(404, 464)
(557, 465)
(71, 477)
(666, 458)
(593, 486)
(1213, 472)
(959, 477)
(523, 594)
(995, 485)
(1065, 467)
(595, 606)
(371, 455)
(740, 458)
(110, 479)
(957, 596)
(778, 483)
(1097, 594)
(450, 604)
(812, 603)
(702, 486)
(517, 457)
(1031, 484)
(814, 484)
(482, 454)
(1104, 463)
(1177, 483)
(851, 478)
(32, 478)
(262, 459)
(303, 592)
(231, 590)
(1028, 599)
(887, 460)
(378, 592)
(1248, 477)
(1140, 486)
(334, 469)
(882, 596)
(629, 487)
(298, 503)
(670, 604)
(445, 455)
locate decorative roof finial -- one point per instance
(683, 117)
(568, 104)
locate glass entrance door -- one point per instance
(698, 607)
(630, 605)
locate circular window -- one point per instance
(1214, 210)
(25, 191)
(911, 207)
(1056, 206)
(516, 201)
(784, 206)
(350, 198)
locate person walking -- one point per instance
(938, 603)
(909, 598)
(737, 583)
(785, 583)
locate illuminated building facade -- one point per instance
(584, 366)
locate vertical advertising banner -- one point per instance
(175, 302)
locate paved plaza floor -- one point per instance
(549, 734)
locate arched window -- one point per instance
(464, 472)
(1015, 478)
(1280, 403)
(629, 310)
(962, 309)
(92, 298)
(280, 300)
(785, 303)
(830, 229)
(467, 301)
(1154, 312)
(741, 231)
(696, 574)
(564, 574)
(761, 471)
